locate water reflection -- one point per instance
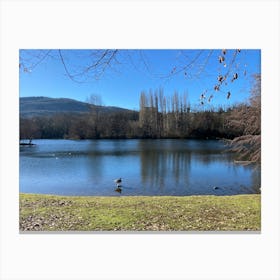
(94, 162)
(148, 167)
(160, 161)
(256, 179)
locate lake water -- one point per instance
(148, 167)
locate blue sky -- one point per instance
(42, 73)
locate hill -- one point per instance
(46, 106)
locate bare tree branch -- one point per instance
(65, 67)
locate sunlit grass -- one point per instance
(144, 213)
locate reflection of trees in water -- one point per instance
(255, 174)
(166, 167)
(256, 179)
(94, 165)
(158, 166)
(208, 158)
(208, 151)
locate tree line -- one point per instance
(159, 117)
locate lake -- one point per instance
(147, 167)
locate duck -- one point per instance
(118, 182)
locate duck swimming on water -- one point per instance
(118, 182)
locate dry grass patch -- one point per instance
(161, 213)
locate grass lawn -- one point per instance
(139, 213)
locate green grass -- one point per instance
(161, 213)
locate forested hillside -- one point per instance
(46, 106)
(159, 117)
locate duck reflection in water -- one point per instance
(118, 189)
